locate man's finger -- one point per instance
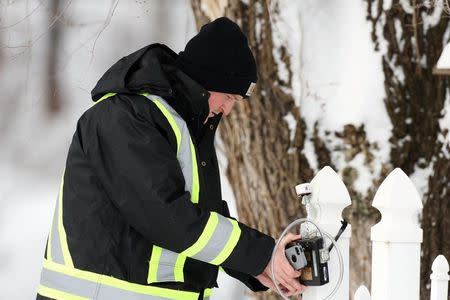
(284, 264)
(284, 280)
(296, 292)
(291, 283)
(289, 237)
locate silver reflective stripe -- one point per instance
(166, 266)
(58, 282)
(217, 242)
(184, 155)
(68, 284)
(55, 243)
(166, 271)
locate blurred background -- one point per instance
(349, 84)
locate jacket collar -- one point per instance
(152, 69)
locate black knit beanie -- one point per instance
(219, 59)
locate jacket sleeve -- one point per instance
(140, 173)
(251, 282)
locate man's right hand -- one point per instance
(285, 275)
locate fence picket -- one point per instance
(329, 198)
(396, 239)
(439, 278)
(362, 293)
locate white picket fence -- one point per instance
(396, 240)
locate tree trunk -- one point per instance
(54, 39)
(415, 36)
(264, 163)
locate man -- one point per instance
(139, 213)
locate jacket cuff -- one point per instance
(252, 252)
(251, 282)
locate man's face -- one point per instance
(221, 103)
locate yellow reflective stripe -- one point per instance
(204, 238)
(62, 233)
(195, 181)
(221, 269)
(55, 294)
(153, 264)
(120, 284)
(106, 96)
(232, 242)
(172, 122)
(207, 292)
(179, 268)
(49, 244)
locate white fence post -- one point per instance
(396, 240)
(439, 279)
(362, 293)
(329, 198)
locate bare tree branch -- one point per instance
(112, 9)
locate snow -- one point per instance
(398, 34)
(446, 36)
(420, 178)
(444, 59)
(292, 124)
(27, 201)
(365, 175)
(286, 32)
(407, 7)
(387, 4)
(433, 19)
(444, 124)
(343, 75)
(283, 73)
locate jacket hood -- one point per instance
(152, 69)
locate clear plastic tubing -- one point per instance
(322, 233)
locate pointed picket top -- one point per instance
(329, 195)
(397, 191)
(440, 268)
(362, 293)
(400, 205)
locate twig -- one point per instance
(56, 18)
(21, 20)
(112, 9)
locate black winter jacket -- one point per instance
(123, 187)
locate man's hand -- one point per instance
(285, 275)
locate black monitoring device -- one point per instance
(309, 256)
